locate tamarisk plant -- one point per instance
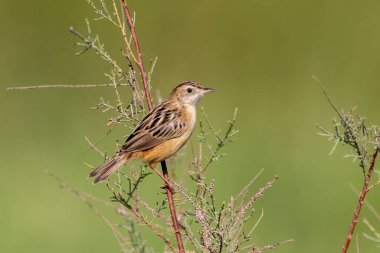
(351, 129)
(196, 222)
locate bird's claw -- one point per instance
(166, 186)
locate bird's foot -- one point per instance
(166, 186)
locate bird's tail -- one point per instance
(105, 170)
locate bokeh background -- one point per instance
(260, 57)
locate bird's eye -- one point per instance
(189, 90)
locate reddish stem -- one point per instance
(165, 173)
(173, 213)
(140, 63)
(359, 206)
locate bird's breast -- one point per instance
(170, 147)
(190, 116)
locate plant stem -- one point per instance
(140, 65)
(173, 213)
(359, 206)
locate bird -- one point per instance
(160, 134)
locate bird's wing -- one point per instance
(159, 125)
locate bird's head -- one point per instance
(189, 92)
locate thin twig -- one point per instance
(140, 63)
(156, 213)
(89, 199)
(326, 95)
(372, 229)
(270, 246)
(64, 86)
(360, 202)
(141, 218)
(90, 43)
(345, 124)
(93, 146)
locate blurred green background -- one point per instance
(260, 57)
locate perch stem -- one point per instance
(140, 65)
(359, 206)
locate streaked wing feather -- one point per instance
(158, 126)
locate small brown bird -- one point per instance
(162, 132)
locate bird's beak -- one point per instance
(207, 90)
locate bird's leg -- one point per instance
(153, 167)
